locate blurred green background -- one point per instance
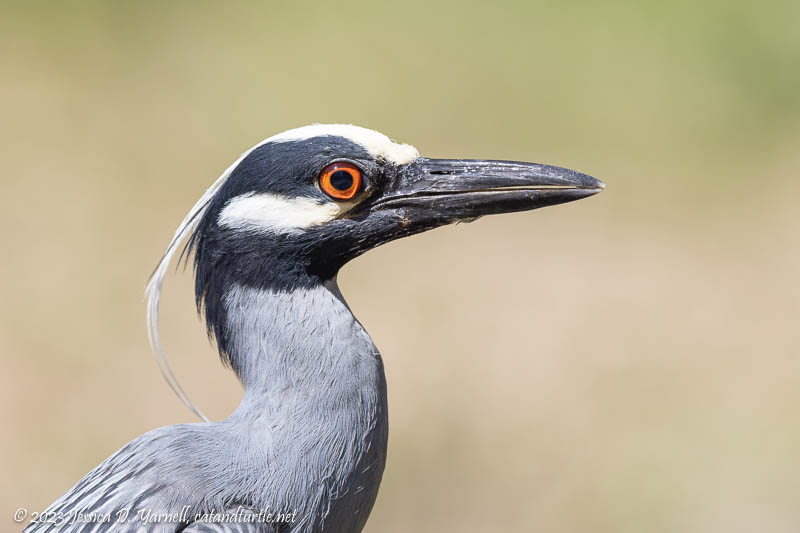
(625, 363)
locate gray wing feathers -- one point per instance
(157, 483)
(109, 496)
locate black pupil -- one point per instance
(341, 180)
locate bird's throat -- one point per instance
(314, 390)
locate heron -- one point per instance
(305, 449)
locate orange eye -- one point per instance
(341, 181)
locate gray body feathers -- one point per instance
(308, 438)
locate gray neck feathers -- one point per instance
(314, 404)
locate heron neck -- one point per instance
(314, 411)
(301, 349)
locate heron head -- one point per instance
(298, 206)
(291, 211)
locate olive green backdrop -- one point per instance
(626, 363)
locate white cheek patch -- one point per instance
(272, 213)
(278, 214)
(376, 143)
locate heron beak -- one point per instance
(457, 189)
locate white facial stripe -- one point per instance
(376, 143)
(278, 214)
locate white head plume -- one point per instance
(153, 290)
(377, 144)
